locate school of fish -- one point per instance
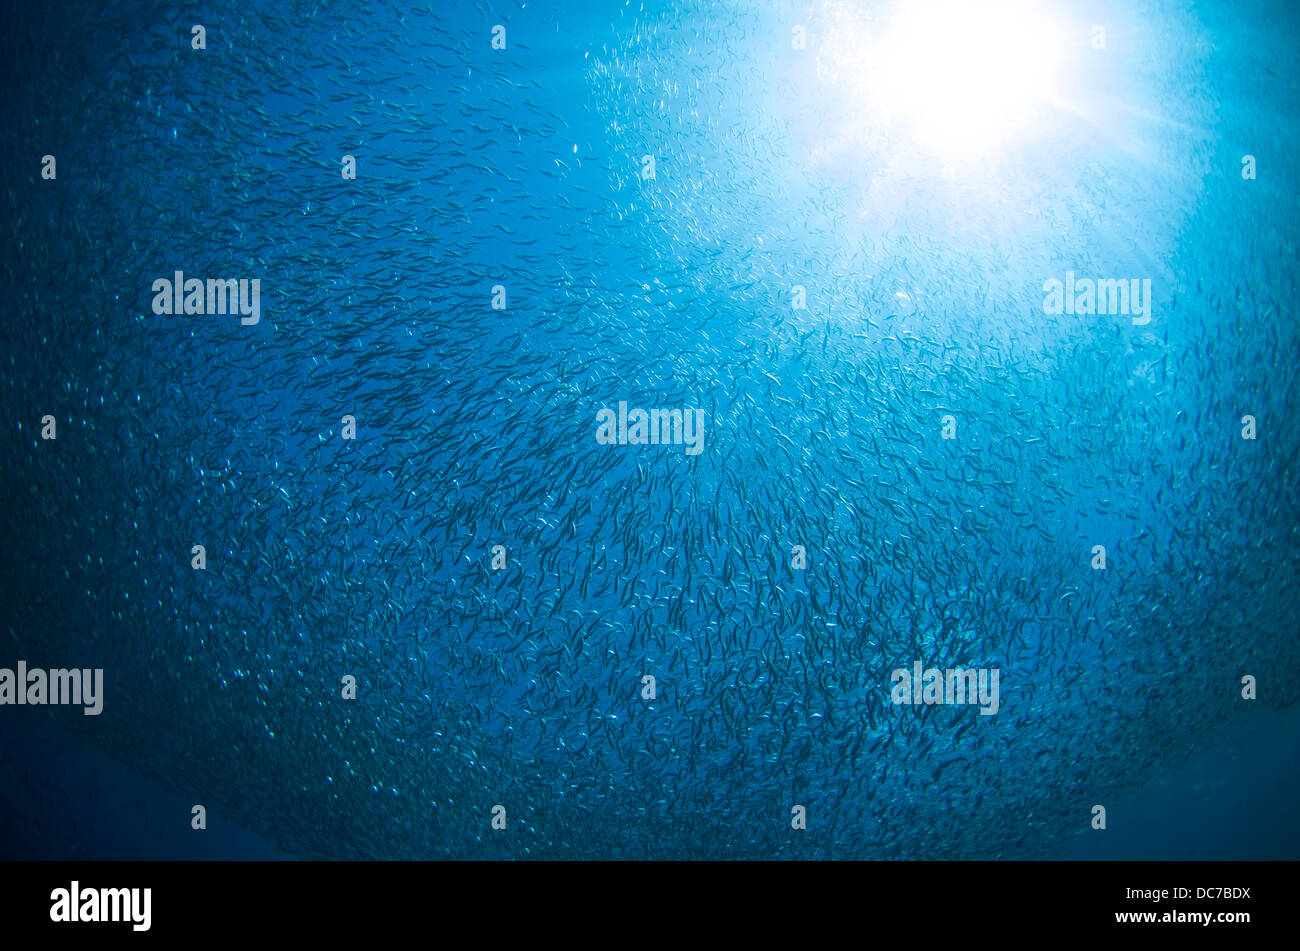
(521, 174)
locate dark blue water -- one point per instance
(837, 245)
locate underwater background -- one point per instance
(905, 455)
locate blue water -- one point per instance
(836, 287)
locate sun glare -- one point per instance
(959, 79)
